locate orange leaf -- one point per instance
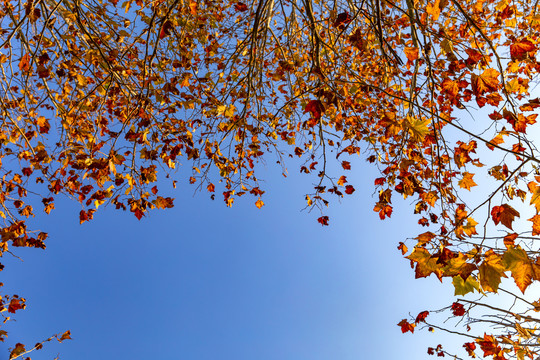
(434, 9)
(450, 87)
(65, 336)
(193, 7)
(163, 203)
(342, 180)
(259, 203)
(488, 81)
(536, 225)
(24, 63)
(521, 49)
(403, 248)
(411, 53)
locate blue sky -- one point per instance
(202, 281)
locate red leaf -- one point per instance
(349, 189)
(323, 220)
(15, 305)
(165, 29)
(240, 7)
(138, 214)
(342, 20)
(470, 347)
(316, 108)
(406, 326)
(346, 165)
(489, 345)
(421, 317)
(458, 309)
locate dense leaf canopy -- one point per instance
(99, 100)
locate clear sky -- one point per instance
(202, 281)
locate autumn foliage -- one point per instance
(101, 99)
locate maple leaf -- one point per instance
(411, 53)
(425, 263)
(450, 87)
(17, 350)
(240, 7)
(467, 181)
(458, 265)
(419, 127)
(163, 203)
(463, 287)
(489, 345)
(315, 108)
(323, 220)
(24, 63)
(342, 20)
(509, 240)
(15, 304)
(520, 50)
(403, 248)
(458, 309)
(504, 214)
(516, 260)
(65, 336)
(433, 9)
(406, 326)
(470, 347)
(488, 81)
(534, 189)
(491, 271)
(166, 29)
(421, 317)
(425, 237)
(536, 225)
(497, 140)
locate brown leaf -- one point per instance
(504, 214)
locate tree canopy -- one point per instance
(101, 99)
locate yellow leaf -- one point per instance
(419, 127)
(259, 203)
(516, 260)
(534, 189)
(425, 264)
(467, 182)
(491, 271)
(434, 10)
